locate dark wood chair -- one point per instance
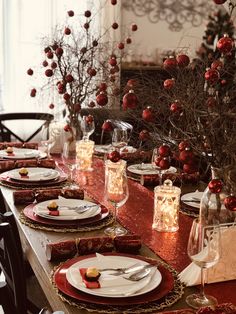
(6, 134)
(13, 295)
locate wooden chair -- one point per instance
(13, 296)
(6, 133)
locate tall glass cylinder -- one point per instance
(84, 155)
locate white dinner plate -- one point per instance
(22, 153)
(148, 169)
(124, 287)
(35, 174)
(192, 199)
(67, 212)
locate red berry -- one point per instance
(186, 156)
(134, 27)
(128, 40)
(45, 63)
(87, 13)
(114, 156)
(182, 60)
(53, 65)
(148, 115)
(107, 126)
(102, 99)
(183, 145)
(86, 25)
(51, 106)
(49, 73)
(230, 202)
(50, 55)
(67, 128)
(59, 51)
(115, 25)
(71, 13)
(66, 96)
(113, 61)
(67, 31)
(69, 78)
(30, 72)
(164, 164)
(215, 186)
(169, 83)
(144, 135)
(121, 46)
(170, 63)
(130, 100)
(164, 150)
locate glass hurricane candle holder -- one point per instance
(166, 207)
(84, 155)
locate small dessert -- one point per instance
(23, 172)
(92, 274)
(9, 150)
(52, 206)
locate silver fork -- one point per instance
(140, 274)
(79, 209)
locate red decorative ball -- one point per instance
(53, 65)
(51, 106)
(70, 13)
(121, 46)
(102, 99)
(92, 72)
(164, 164)
(50, 55)
(176, 107)
(182, 60)
(67, 31)
(114, 156)
(59, 51)
(230, 202)
(91, 104)
(186, 156)
(130, 100)
(170, 63)
(217, 65)
(103, 86)
(107, 126)
(77, 107)
(134, 27)
(148, 115)
(115, 25)
(169, 83)
(113, 2)
(95, 43)
(215, 186)
(45, 63)
(219, 1)
(30, 72)
(225, 44)
(66, 96)
(128, 40)
(87, 13)
(132, 83)
(164, 150)
(212, 76)
(67, 128)
(183, 145)
(33, 92)
(83, 50)
(157, 161)
(89, 119)
(113, 62)
(144, 135)
(86, 25)
(55, 46)
(189, 168)
(47, 49)
(49, 73)
(211, 101)
(69, 78)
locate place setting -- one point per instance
(14, 153)
(190, 203)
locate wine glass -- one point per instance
(87, 126)
(120, 138)
(204, 248)
(116, 191)
(69, 160)
(49, 135)
(156, 159)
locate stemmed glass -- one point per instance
(204, 249)
(87, 126)
(120, 138)
(116, 191)
(49, 136)
(69, 160)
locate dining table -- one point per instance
(136, 215)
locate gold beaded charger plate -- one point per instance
(22, 153)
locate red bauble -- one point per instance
(114, 156)
(87, 13)
(212, 76)
(91, 104)
(211, 101)
(59, 51)
(102, 87)
(55, 46)
(219, 1)
(130, 100)
(92, 72)
(217, 65)
(182, 60)
(66, 96)
(33, 92)
(134, 27)
(45, 63)
(113, 2)
(69, 78)
(51, 106)
(215, 186)
(225, 44)
(144, 135)
(230, 202)
(70, 13)
(164, 164)
(132, 83)
(89, 119)
(83, 50)
(115, 25)
(157, 160)
(113, 62)
(67, 31)
(47, 49)
(49, 73)
(95, 43)
(148, 115)
(186, 156)
(53, 65)
(170, 63)
(86, 25)
(189, 168)
(128, 40)
(183, 145)
(169, 83)
(107, 126)
(121, 46)
(164, 150)
(67, 128)
(176, 107)
(50, 55)
(102, 99)
(77, 107)
(30, 72)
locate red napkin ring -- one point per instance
(88, 284)
(54, 212)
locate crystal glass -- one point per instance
(204, 249)
(154, 161)
(87, 126)
(69, 161)
(116, 191)
(120, 138)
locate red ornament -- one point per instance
(49, 73)
(89, 119)
(113, 2)
(107, 126)
(182, 60)
(67, 31)
(59, 51)
(134, 27)
(87, 13)
(92, 72)
(219, 1)
(130, 100)
(47, 49)
(69, 78)
(50, 55)
(113, 61)
(230, 202)
(67, 128)
(225, 44)
(128, 40)
(115, 25)
(132, 83)
(176, 107)
(86, 25)
(183, 145)
(114, 156)
(95, 43)
(121, 46)
(103, 86)
(223, 82)
(169, 83)
(212, 76)
(186, 156)
(53, 65)
(77, 107)
(157, 160)
(164, 150)
(164, 164)
(170, 63)
(211, 101)
(83, 50)
(91, 104)
(189, 168)
(70, 13)
(144, 135)
(51, 106)
(102, 99)
(66, 96)
(33, 92)
(215, 186)
(217, 65)
(148, 115)
(30, 72)
(45, 63)
(55, 46)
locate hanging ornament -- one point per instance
(219, 1)
(230, 202)
(217, 65)
(107, 126)
(148, 115)
(225, 44)
(182, 60)
(157, 160)
(215, 186)
(212, 76)
(102, 99)
(183, 145)
(211, 102)
(164, 150)
(130, 100)
(114, 156)
(186, 156)
(113, 61)
(176, 107)
(169, 83)
(164, 163)
(170, 63)
(144, 135)
(189, 168)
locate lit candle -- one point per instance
(166, 207)
(114, 172)
(84, 154)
